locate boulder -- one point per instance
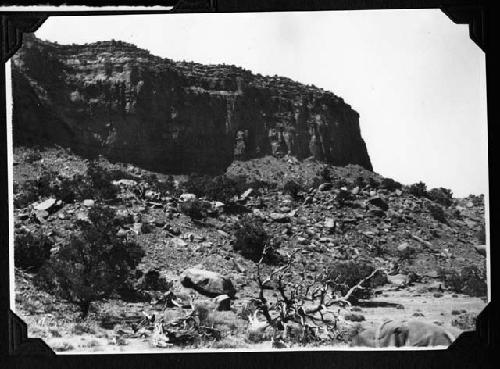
(223, 303)
(207, 283)
(414, 333)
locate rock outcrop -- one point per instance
(116, 100)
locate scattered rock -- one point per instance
(137, 228)
(179, 242)
(280, 218)
(45, 205)
(223, 233)
(325, 186)
(379, 202)
(125, 183)
(404, 247)
(247, 193)
(88, 203)
(187, 197)
(330, 223)
(121, 233)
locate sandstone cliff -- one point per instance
(114, 99)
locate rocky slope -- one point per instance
(114, 99)
(350, 218)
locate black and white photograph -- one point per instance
(248, 181)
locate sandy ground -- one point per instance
(413, 299)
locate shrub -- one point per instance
(437, 212)
(470, 281)
(31, 250)
(481, 235)
(101, 181)
(251, 238)
(325, 174)
(195, 209)
(96, 183)
(93, 264)
(164, 187)
(373, 183)
(219, 188)
(292, 188)
(344, 197)
(418, 189)
(390, 184)
(360, 182)
(441, 195)
(31, 156)
(223, 188)
(78, 187)
(316, 182)
(465, 322)
(342, 276)
(24, 194)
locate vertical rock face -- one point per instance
(114, 99)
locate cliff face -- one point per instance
(114, 99)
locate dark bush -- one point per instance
(470, 281)
(418, 189)
(360, 182)
(31, 156)
(96, 183)
(94, 264)
(194, 209)
(373, 183)
(325, 174)
(481, 235)
(437, 212)
(101, 181)
(292, 188)
(344, 197)
(251, 238)
(390, 184)
(219, 188)
(164, 187)
(476, 200)
(154, 282)
(223, 188)
(31, 250)
(24, 194)
(441, 195)
(342, 276)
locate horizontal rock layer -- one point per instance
(119, 101)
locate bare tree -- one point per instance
(304, 304)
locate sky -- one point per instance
(416, 79)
